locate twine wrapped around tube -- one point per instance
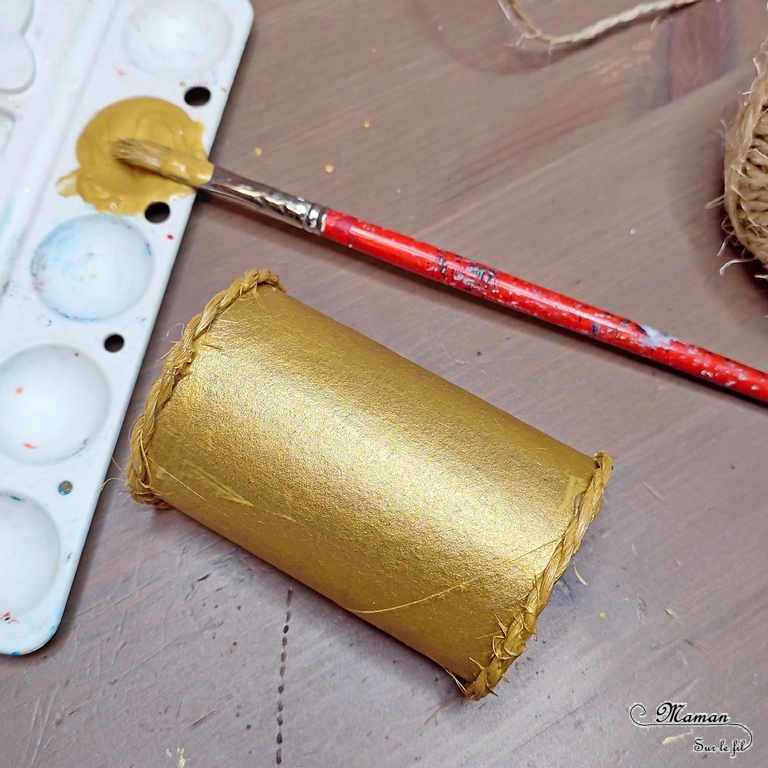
(408, 501)
(176, 366)
(510, 643)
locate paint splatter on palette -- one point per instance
(79, 287)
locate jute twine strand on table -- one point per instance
(746, 167)
(513, 11)
(176, 367)
(511, 640)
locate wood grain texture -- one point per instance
(586, 171)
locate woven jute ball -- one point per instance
(746, 167)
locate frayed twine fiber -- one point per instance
(745, 193)
(530, 31)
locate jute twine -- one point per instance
(746, 167)
(177, 362)
(530, 31)
(511, 640)
(745, 195)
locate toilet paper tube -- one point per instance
(406, 500)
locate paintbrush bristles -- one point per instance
(145, 154)
(168, 162)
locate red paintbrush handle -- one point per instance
(509, 291)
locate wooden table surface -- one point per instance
(587, 171)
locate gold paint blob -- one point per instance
(111, 185)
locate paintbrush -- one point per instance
(443, 267)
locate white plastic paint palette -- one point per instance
(80, 290)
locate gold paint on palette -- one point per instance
(116, 187)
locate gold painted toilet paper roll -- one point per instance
(406, 500)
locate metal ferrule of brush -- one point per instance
(270, 201)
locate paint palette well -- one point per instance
(53, 400)
(199, 32)
(80, 289)
(92, 267)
